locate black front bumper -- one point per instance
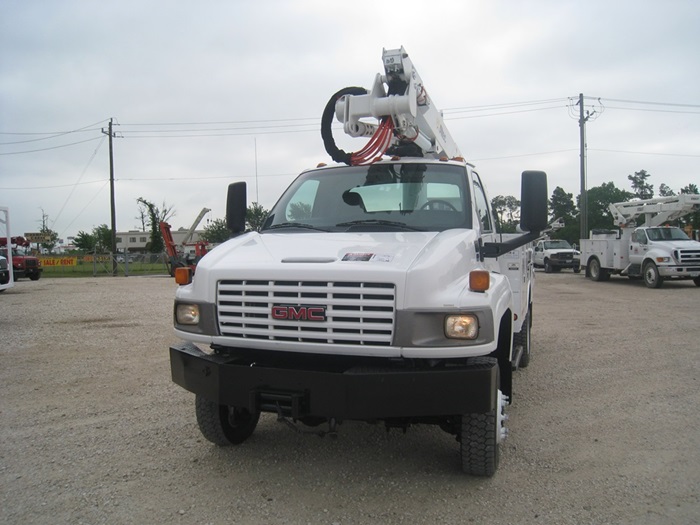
(565, 263)
(345, 393)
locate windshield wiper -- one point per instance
(379, 222)
(294, 225)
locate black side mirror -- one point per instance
(533, 201)
(236, 204)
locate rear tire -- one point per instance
(523, 338)
(224, 425)
(595, 272)
(697, 281)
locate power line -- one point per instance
(652, 103)
(53, 186)
(50, 148)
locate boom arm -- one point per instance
(655, 211)
(196, 222)
(404, 108)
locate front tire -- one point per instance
(547, 266)
(697, 281)
(480, 435)
(224, 425)
(652, 278)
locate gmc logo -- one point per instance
(299, 313)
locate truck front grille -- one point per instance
(688, 256)
(31, 263)
(357, 313)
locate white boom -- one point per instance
(196, 222)
(407, 113)
(655, 211)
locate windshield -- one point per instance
(667, 234)
(381, 197)
(557, 245)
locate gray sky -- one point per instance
(206, 93)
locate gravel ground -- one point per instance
(603, 428)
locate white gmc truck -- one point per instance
(375, 291)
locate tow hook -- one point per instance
(332, 426)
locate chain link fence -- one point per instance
(107, 264)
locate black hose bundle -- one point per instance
(336, 153)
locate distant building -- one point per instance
(136, 241)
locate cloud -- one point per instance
(271, 65)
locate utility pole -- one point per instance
(113, 210)
(583, 200)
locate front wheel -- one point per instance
(652, 278)
(34, 277)
(224, 425)
(480, 435)
(547, 266)
(697, 281)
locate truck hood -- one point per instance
(562, 250)
(675, 245)
(437, 260)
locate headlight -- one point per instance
(663, 259)
(187, 314)
(461, 326)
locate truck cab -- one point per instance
(663, 252)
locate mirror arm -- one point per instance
(496, 249)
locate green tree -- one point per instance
(665, 191)
(84, 242)
(642, 189)
(599, 197)
(691, 189)
(507, 211)
(694, 218)
(561, 206)
(100, 240)
(255, 217)
(155, 216)
(216, 232)
(103, 238)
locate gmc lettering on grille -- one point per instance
(299, 313)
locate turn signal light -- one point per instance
(479, 280)
(183, 275)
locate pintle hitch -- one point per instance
(293, 425)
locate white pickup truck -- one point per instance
(555, 254)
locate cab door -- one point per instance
(639, 245)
